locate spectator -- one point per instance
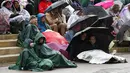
(30, 7)
(114, 11)
(29, 32)
(19, 19)
(56, 19)
(4, 25)
(43, 5)
(42, 25)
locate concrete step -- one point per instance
(7, 64)
(8, 43)
(8, 58)
(10, 50)
(121, 49)
(8, 36)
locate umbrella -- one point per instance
(57, 4)
(84, 22)
(96, 10)
(104, 22)
(103, 39)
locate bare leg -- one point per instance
(54, 27)
(62, 28)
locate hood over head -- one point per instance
(39, 16)
(4, 2)
(38, 37)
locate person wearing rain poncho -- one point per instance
(43, 51)
(4, 25)
(73, 18)
(29, 32)
(21, 19)
(28, 60)
(18, 16)
(42, 25)
(124, 22)
(38, 57)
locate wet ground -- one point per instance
(86, 68)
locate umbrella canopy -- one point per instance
(96, 10)
(57, 4)
(103, 39)
(104, 22)
(84, 22)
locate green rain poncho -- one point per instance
(43, 51)
(84, 3)
(28, 60)
(28, 33)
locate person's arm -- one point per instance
(64, 18)
(127, 14)
(13, 15)
(25, 14)
(50, 20)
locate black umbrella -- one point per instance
(103, 39)
(57, 4)
(83, 22)
(97, 10)
(104, 22)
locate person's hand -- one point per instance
(56, 20)
(31, 44)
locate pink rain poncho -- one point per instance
(105, 4)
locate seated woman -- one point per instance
(20, 17)
(44, 52)
(57, 20)
(4, 25)
(42, 25)
(28, 60)
(29, 32)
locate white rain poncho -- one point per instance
(98, 57)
